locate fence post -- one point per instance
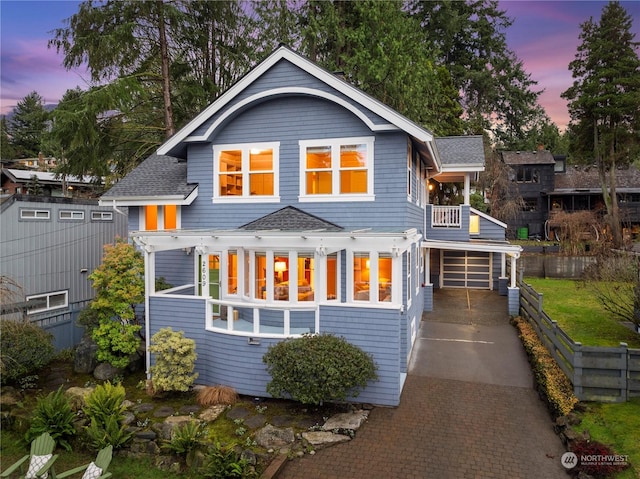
(624, 391)
(577, 372)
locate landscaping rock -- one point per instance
(254, 422)
(239, 413)
(271, 437)
(347, 420)
(85, 361)
(106, 372)
(212, 412)
(320, 439)
(163, 411)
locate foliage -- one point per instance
(318, 368)
(600, 468)
(116, 342)
(476, 200)
(604, 101)
(551, 380)
(185, 438)
(174, 362)
(573, 230)
(53, 414)
(223, 461)
(28, 125)
(105, 409)
(212, 395)
(615, 281)
(34, 187)
(505, 201)
(7, 151)
(24, 348)
(119, 282)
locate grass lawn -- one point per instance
(580, 314)
(585, 320)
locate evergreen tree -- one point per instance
(7, 151)
(28, 126)
(604, 101)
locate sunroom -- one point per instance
(271, 283)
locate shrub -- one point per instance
(224, 461)
(24, 348)
(105, 409)
(53, 414)
(185, 438)
(597, 460)
(212, 395)
(116, 342)
(551, 380)
(318, 368)
(175, 361)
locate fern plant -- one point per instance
(53, 414)
(105, 408)
(224, 461)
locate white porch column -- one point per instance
(503, 265)
(149, 289)
(467, 187)
(513, 272)
(427, 266)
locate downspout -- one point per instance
(115, 208)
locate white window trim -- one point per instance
(74, 215)
(101, 216)
(409, 268)
(246, 197)
(46, 214)
(48, 296)
(335, 144)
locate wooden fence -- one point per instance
(597, 373)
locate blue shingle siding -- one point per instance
(175, 266)
(490, 230)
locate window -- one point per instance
(246, 172)
(260, 276)
(101, 216)
(409, 170)
(530, 204)
(159, 217)
(527, 174)
(29, 214)
(71, 215)
(384, 277)
(46, 302)
(361, 276)
(409, 268)
(336, 169)
(232, 272)
(332, 276)
(306, 266)
(474, 224)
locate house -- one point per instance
(48, 248)
(549, 186)
(296, 203)
(49, 184)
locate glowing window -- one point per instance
(246, 171)
(474, 224)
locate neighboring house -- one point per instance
(49, 184)
(548, 186)
(296, 204)
(48, 248)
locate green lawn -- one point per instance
(585, 320)
(580, 314)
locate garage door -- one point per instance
(466, 269)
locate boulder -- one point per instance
(85, 360)
(271, 437)
(324, 438)
(106, 372)
(348, 420)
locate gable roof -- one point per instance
(173, 145)
(159, 179)
(290, 218)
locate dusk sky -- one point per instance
(544, 35)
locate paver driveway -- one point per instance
(468, 409)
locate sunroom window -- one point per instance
(246, 171)
(339, 168)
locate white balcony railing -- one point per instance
(445, 216)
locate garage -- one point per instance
(466, 269)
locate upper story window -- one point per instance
(339, 169)
(33, 214)
(160, 217)
(248, 172)
(71, 215)
(527, 174)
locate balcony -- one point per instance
(446, 216)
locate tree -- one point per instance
(615, 281)
(119, 284)
(28, 126)
(468, 39)
(604, 101)
(379, 48)
(7, 151)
